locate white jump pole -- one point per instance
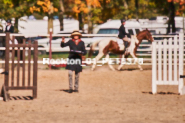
(181, 52)
(154, 84)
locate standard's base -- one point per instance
(183, 90)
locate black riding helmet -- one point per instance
(8, 21)
(123, 20)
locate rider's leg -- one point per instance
(70, 74)
(126, 43)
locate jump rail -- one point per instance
(85, 35)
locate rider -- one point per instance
(76, 45)
(9, 27)
(123, 35)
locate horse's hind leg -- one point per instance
(98, 57)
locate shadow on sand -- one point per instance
(65, 90)
(162, 93)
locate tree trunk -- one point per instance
(81, 24)
(90, 24)
(61, 12)
(125, 4)
(136, 6)
(90, 27)
(171, 18)
(125, 7)
(16, 25)
(16, 4)
(50, 23)
(104, 10)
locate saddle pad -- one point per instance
(120, 41)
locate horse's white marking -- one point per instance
(121, 47)
(134, 41)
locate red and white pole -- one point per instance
(50, 51)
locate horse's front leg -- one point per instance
(98, 57)
(139, 66)
(121, 65)
(107, 60)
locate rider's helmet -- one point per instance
(8, 21)
(123, 20)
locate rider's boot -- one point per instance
(126, 47)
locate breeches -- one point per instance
(70, 73)
(126, 39)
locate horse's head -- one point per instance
(146, 35)
(149, 36)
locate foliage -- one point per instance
(96, 11)
(44, 6)
(15, 8)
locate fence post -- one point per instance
(159, 61)
(165, 46)
(154, 84)
(7, 58)
(50, 50)
(181, 52)
(35, 70)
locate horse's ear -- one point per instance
(146, 28)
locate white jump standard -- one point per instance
(167, 63)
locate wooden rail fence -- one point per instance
(19, 76)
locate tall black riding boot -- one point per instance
(126, 45)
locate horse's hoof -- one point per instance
(119, 69)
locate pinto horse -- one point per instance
(108, 45)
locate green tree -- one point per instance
(48, 8)
(15, 9)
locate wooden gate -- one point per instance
(167, 63)
(19, 73)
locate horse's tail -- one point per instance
(93, 46)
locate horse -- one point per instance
(110, 45)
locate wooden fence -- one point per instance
(20, 79)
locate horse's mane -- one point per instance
(141, 32)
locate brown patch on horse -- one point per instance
(90, 52)
(112, 47)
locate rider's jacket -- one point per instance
(122, 32)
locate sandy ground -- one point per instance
(105, 97)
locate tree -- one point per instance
(61, 14)
(171, 17)
(89, 10)
(46, 7)
(170, 8)
(15, 9)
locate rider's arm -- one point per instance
(63, 44)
